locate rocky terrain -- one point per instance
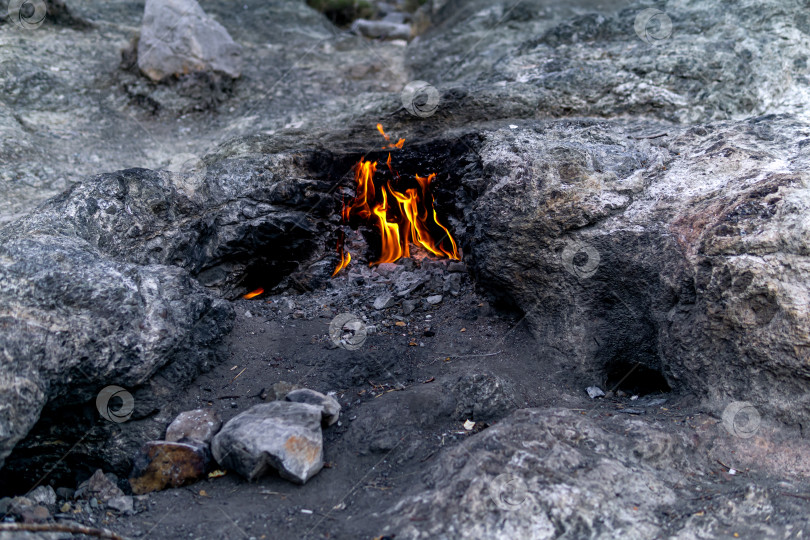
(621, 352)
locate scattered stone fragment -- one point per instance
(434, 299)
(480, 396)
(408, 306)
(17, 504)
(162, 464)
(386, 269)
(456, 266)
(282, 435)
(383, 301)
(594, 392)
(65, 492)
(199, 424)
(330, 408)
(178, 37)
(406, 263)
(280, 390)
(34, 514)
(123, 504)
(452, 284)
(100, 486)
(408, 282)
(43, 495)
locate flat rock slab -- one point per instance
(280, 435)
(162, 464)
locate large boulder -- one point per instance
(681, 252)
(98, 288)
(178, 38)
(560, 473)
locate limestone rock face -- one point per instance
(280, 435)
(178, 38)
(542, 471)
(90, 295)
(685, 253)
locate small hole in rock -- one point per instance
(635, 379)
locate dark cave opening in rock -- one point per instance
(309, 256)
(635, 379)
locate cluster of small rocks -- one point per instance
(382, 296)
(94, 502)
(284, 434)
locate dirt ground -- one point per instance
(368, 469)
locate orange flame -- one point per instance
(399, 144)
(254, 294)
(345, 256)
(409, 221)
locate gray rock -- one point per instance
(177, 38)
(691, 240)
(330, 408)
(383, 301)
(281, 435)
(43, 495)
(408, 282)
(381, 29)
(452, 284)
(433, 300)
(514, 478)
(386, 269)
(65, 493)
(569, 60)
(123, 504)
(456, 266)
(99, 486)
(140, 322)
(594, 392)
(408, 306)
(199, 424)
(480, 396)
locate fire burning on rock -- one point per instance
(401, 209)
